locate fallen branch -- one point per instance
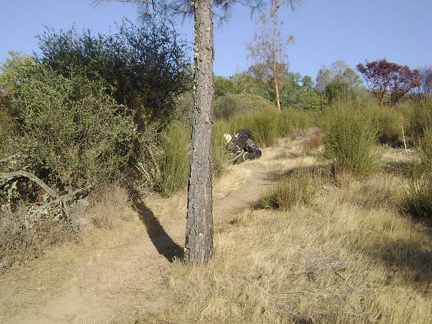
(68, 208)
(72, 210)
(32, 177)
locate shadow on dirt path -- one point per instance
(163, 243)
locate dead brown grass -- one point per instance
(109, 209)
(346, 257)
(333, 263)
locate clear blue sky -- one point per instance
(324, 31)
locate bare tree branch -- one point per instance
(32, 177)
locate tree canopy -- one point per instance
(383, 77)
(145, 67)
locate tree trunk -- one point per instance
(276, 85)
(199, 225)
(275, 32)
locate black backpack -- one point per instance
(243, 139)
(244, 144)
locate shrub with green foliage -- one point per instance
(16, 69)
(307, 100)
(146, 67)
(418, 202)
(263, 125)
(223, 86)
(228, 106)
(173, 156)
(268, 124)
(290, 119)
(69, 132)
(340, 91)
(221, 155)
(174, 159)
(296, 92)
(349, 139)
(247, 83)
(390, 126)
(184, 109)
(231, 105)
(420, 118)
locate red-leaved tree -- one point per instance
(385, 78)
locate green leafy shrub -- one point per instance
(263, 125)
(69, 132)
(259, 103)
(184, 109)
(173, 156)
(221, 155)
(419, 118)
(230, 105)
(340, 91)
(349, 140)
(268, 125)
(308, 100)
(16, 69)
(6, 126)
(223, 86)
(146, 67)
(290, 119)
(418, 202)
(389, 123)
(174, 159)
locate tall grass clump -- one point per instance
(418, 202)
(349, 140)
(174, 159)
(420, 118)
(289, 119)
(298, 187)
(390, 125)
(221, 154)
(263, 125)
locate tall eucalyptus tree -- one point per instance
(269, 45)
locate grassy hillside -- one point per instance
(344, 255)
(347, 256)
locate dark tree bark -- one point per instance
(199, 225)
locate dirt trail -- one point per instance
(98, 287)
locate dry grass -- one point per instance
(110, 209)
(334, 263)
(349, 257)
(346, 257)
